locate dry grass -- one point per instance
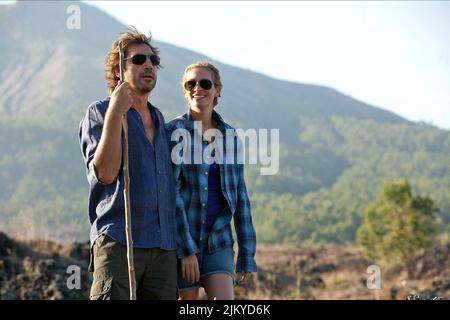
(336, 272)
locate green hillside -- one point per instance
(341, 167)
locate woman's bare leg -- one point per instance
(190, 294)
(218, 286)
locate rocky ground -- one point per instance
(47, 270)
(42, 270)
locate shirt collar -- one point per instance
(190, 120)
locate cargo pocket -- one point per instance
(101, 287)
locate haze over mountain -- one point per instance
(335, 151)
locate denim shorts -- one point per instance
(218, 262)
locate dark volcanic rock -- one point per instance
(39, 270)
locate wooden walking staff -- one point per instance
(126, 191)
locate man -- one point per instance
(152, 192)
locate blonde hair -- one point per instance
(212, 70)
(129, 37)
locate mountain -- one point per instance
(57, 65)
(335, 151)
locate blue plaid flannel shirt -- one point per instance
(192, 195)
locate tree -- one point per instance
(397, 224)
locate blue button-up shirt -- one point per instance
(192, 196)
(152, 188)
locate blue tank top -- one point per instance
(216, 201)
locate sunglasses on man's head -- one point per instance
(204, 84)
(140, 59)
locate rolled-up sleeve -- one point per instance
(90, 131)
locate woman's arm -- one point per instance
(185, 243)
(245, 232)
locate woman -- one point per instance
(210, 192)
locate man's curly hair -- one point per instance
(129, 37)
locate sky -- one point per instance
(393, 55)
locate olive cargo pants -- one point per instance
(155, 271)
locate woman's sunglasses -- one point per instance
(204, 84)
(140, 59)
